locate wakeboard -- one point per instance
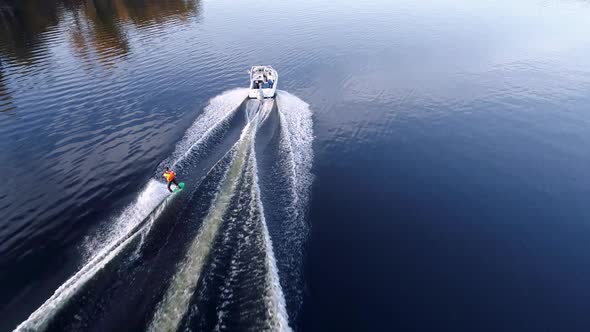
(179, 188)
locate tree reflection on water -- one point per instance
(93, 29)
(99, 24)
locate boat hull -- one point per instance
(262, 93)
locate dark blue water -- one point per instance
(450, 163)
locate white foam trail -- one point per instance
(252, 109)
(104, 247)
(275, 299)
(152, 194)
(176, 301)
(39, 319)
(173, 307)
(215, 114)
(295, 146)
(296, 118)
(218, 111)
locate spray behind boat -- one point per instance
(145, 246)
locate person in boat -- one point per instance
(265, 83)
(169, 175)
(270, 82)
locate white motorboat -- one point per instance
(263, 82)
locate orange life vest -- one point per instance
(169, 175)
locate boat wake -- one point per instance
(214, 119)
(206, 256)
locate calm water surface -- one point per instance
(451, 160)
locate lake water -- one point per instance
(426, 165)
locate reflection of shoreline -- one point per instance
(99, 25)
(96, 29)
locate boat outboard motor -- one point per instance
(260, 93)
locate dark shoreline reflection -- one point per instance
(100, 25)
(96, 28)
(22, 24)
